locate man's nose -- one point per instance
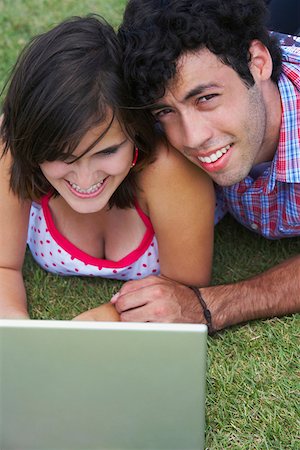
(196, 131)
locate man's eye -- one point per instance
(206, 98)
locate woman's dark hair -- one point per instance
(155, 33)
(64, 83)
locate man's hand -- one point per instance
(273, 293)
(157, 299)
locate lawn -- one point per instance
(253, 370)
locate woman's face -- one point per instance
(88, 183)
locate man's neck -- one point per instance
(273, 123)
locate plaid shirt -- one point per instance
(270, 203)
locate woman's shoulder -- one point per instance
(169, 174)
(167, 163)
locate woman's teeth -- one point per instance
(214, 156)
(90, 190)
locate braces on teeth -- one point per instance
(90, 190)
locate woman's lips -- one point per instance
(91, 192)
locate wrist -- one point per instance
(205, 310)
(223, 305)
(14, 314)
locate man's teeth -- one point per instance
(90, 190)
(214, 156)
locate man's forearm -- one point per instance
(275, 292)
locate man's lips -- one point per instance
(213, 157)
(216, 160)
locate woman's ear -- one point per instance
(261, 64)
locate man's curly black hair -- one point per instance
(155, 33)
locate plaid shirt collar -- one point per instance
(286, 163)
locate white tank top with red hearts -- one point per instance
(54, 253)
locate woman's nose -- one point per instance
(84, 171)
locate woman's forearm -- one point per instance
(13, 304)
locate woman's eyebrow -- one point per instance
(106, 149)
(112, 147)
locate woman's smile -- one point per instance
(96, 174)
(90, 192)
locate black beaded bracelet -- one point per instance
(206, 311)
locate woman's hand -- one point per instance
(103, 313)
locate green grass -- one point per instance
(21, 19)
(253, 370)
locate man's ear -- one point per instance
(261, 64)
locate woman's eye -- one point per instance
(67, 159)
(161, 113)
(107, 152)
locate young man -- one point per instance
(209, 73)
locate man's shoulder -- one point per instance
(290, 46)
(286, 40)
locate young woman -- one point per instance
(78, 183)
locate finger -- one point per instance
(155, 311)
(151, 312)
(142, 296)
(134, 299)
(140, 314)
(134, 285)
(129, 286)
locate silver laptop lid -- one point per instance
(96, 386)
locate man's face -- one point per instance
(213, 118)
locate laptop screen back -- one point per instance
(96, 386)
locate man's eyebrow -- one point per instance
(200, 89)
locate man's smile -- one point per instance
(213, 157)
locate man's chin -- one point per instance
(227, 180)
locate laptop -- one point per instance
(70, 385)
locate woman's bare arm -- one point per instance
(179, 198)
(14, 216)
